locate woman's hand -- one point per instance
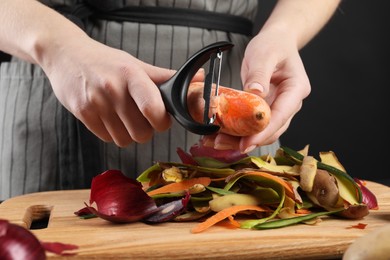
(273, 69)
(111, 92)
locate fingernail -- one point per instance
(256, 88)
(201, 70)
(222, 146)
(250, 149)
(208, 142)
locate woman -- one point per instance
(80, 94)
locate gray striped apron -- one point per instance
(43, 147)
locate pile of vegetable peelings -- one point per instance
(247, 192)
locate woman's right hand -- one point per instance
(114, 94)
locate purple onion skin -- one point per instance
(17, 243)
(168, 211)
(119, 199)
(226, 156)
(369, 198)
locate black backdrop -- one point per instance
(346, 112)
(3, 56)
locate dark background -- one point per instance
(3, 56)
(346, 112)
(348, 67)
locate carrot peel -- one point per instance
(223, 214)
(180, 186)
(234, 222)
(287, 186)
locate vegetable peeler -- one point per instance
(174, 91)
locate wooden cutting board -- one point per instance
(100, 239)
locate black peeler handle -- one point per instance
(174, 91)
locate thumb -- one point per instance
(199, 76)
(157, 74)
(256, 78)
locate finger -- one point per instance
(115, 127)
(208, 140)
(270, 140)
(154, 109)
(282, 110)
(226, 142)
(89, 116)
(199, 76)
(273, 138)
(148, 99)
(105, 101)
(96, 126)
(123, 110)
(136, 124)
(106, 125)
(221, 141)
(157, 74)
(256, 76)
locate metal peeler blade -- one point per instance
(214, 75)
(174, 91)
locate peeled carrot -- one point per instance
(238, 113)
(223, 214)
(180, 186)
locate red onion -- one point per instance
(368, 197)
(119, 198)
(17, 242)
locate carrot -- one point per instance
(234, 222)
(303, 211)
(180, 186)
(223, 214)
(238, 113)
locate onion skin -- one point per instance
(227, 156)
(169, 211)
(368, 197)
(185, 157)
(59, 248)
(119, 198)
(199, 150)
(17, 242)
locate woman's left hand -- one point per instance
(272, 68)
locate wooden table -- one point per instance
(100, 239)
